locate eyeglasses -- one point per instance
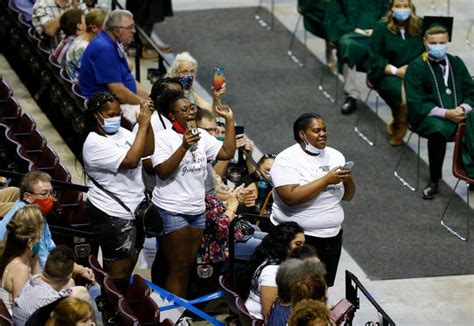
(44, 194)
(186, 72)
(192, 108)
(269, 155)
(130, 28)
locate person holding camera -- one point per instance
(310, 180)
(112, 160)
(180, 161)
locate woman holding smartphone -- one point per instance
(180, 161)
(309, 184)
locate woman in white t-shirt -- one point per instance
(309, 185)
(180, 161)
(112, 160)
(257, 282)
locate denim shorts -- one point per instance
(174, 221)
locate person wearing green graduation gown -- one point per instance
(314, 12)
(468, 146)
(440, 93)
(395, 42)
(349, 25)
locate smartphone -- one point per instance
(192, 126)
(239, 130)
(348, 166)
(340, 310)
(218, 80)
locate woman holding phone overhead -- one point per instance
(180, 161)
(310, 180)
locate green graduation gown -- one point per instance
(342, 17)
(468, 145)
(313, 12)
(422, 95)
(388, 48)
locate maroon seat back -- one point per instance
(458, 166)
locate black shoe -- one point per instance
(349, 106)
(430, 190)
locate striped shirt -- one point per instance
(35, 294)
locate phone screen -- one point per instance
(348, 166)
(218, 80)
(239, 130)
(192, 126)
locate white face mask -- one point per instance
(310, 148)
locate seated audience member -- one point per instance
(310, 313)
(46, 16)
(20, 245)
(25, 7)
(104, 65)
(72, 311)
(215, 186)
(314, 12)
(73, 24)
(219, 215)
(468, 147)
(258, 280)
(395, 42)
(297, 279)
(48, 286)
(112, 161)
(184, 67)
(440, 93)
(8, 197)
(36, 188)
(180, 160)
(94, 21)
(349, 25)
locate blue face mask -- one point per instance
(185, 81)
(401, 14)
(36, 249)
(111, 125)
(437, 51)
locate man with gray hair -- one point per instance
(104, 65)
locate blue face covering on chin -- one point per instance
(401, 14)
(437, 51)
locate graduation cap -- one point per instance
(438, 21)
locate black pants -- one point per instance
(436, 153)
(329, 252)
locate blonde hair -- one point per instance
(69, 312)
(96, 17)
(180, 58)
(25, 225)
(413, 26)
(436, 30)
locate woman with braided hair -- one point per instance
(16, 252)
(112, 160)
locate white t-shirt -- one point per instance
(102, 158)
(321, 216)
(267, 278)
(183, 191)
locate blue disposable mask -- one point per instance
(310, 148)
(437, 51)
(111, 125)
(36, 249)
(186, 82)
(401, 14)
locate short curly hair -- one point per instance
(308, 311)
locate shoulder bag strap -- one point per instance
(111, 194)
